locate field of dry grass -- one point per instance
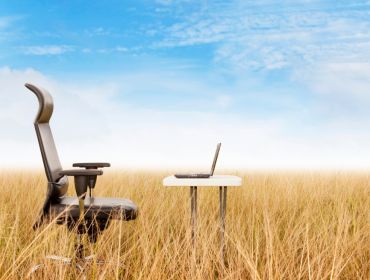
(278, 226)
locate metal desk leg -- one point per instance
(196, 203)
(194, 206)
(223, 198)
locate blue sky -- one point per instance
(283, 84)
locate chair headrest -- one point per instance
(45, 103)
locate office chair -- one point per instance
(84, 214)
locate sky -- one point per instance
(157, 84)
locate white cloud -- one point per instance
(46, 50)
(86, 50)
(8, 21)
(98, 31)
(224, 100)
(268, 35)
(94, 121)
(121, 49)
(118, 49)
(6, 32)
(341, 89)
(171, 2)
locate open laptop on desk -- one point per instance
(202, 175)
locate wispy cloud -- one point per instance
(98, 31)
(62, 49)
(118, 49)
(46, 50)
(121, 49)
(341, 90)
(7, 21)
(7, 33)
(171, 2)
(273, 36)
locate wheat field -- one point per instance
(282, 225)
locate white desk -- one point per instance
(221, 181)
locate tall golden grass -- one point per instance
(278, 226)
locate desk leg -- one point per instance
(194, 206)
(223, 198)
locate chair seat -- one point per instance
(100, 208)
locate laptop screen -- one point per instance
(215, 158)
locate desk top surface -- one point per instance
(213, 181)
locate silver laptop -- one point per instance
(203, 175)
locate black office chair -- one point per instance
(84, 214)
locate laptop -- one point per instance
(202, 175)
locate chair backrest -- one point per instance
(58, 185)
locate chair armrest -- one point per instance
(81, 172)
(84, 178)
(91, 164)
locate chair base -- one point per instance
(78, 261)
(78, 265)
